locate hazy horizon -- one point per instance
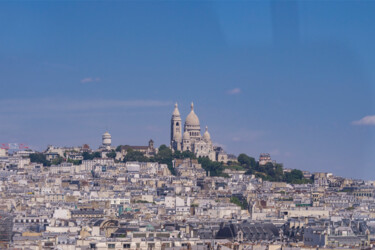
(293, 79)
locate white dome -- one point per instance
(106, 139)
(186, 136)
(192, 119)
(206, 135)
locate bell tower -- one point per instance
(176, 129)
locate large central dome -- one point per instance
(192, 119)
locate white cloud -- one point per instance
(90, 79)
(367, 120)
(234, 91)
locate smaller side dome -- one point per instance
(206, 135)
(186, 136)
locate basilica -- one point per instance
(191, 139)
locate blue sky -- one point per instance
(295, 79)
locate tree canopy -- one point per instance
(271, 171)
(215, 168)
(39, 158)
(132, 155)
(88, 156)
(246, 160)
(111, 154)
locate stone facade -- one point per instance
(191, 139)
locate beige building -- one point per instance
(191, 139)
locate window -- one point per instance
(111, 245)
(126, 246)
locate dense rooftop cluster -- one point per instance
(141, 197)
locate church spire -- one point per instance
(176, 129)
(176, 112)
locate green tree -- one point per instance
(58, 160)
(132, 155)
(188, 154)
(96, 155)
(241, 203)
(177, 154)
(165, 156)
(118, 148)
(296, 177)
(111, 154)
(215, 168)
(246, 160)
(88, 156)
(39, 158)
(75, 162)
(184, 155)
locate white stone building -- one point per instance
(191, 139)
(106, 141)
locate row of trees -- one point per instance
(271, 171)
(41, 158)
(90, 156)
(166, 156)
(213, 167)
